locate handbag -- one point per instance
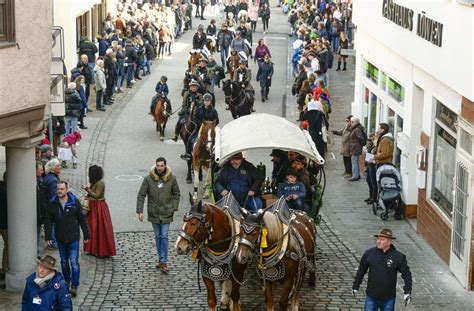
(324, 133)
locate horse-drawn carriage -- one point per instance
(225, 238)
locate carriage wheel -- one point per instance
(374, 208)
(384, 216)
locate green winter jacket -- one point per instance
(163, 200)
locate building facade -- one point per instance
(414, 71)
(80, 18)
(24, 99)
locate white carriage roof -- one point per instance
(263, 131)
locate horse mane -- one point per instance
(272, 223)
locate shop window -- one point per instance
(395, 90)
(7, 21)
(465, 141)
(444, 156)
(371, 72)
(444, 166)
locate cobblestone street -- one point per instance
(123, 140)
(136, 283)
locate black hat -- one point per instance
(277, 153)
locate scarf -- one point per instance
(41, 282)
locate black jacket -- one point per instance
(90, 49)
(323, 60)
(199, 41)
(73, 103)
(383, 269)
(66, 221)
(85, 71)
(110, 68)
(131, 54)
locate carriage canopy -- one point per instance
(263, 131)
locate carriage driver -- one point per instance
(243, 179)
(243, 76)
(161, 90)
(205, 112)
(190, 96)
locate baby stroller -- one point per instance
(389, 192)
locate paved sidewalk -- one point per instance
(434, 287)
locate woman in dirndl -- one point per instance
(101, 242)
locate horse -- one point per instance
(235, 97)
(186, 130)
(283, 252)
(220, 75)
(161, 114)
(232, 64)
(201, 154)
(210, 232)
(193, 60)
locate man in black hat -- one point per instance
(280, 166)
(46, 289)
(383, 263)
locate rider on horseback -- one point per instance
(161, 90)
(205, 112)
(189, 97)
(243, 76)
(203, 73)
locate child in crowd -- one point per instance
(67, 149)
(293, 190)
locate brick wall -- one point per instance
(433, 227)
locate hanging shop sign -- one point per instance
(426, 28)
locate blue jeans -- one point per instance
(372, 304)
(372, 179)
(335, 43)
(325, 78)
(91, 67)
(253, 204)
(71, 124)
(161, 240)
(224, 55)
(297, 204)
(69, 253)
(355, 166)
(129, 74)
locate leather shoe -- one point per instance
(89, 110)
(370, 202)
(354, 179)
(101, 109)
(367, 200)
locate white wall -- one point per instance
(65, 14)
(452, 63)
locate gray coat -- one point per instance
(100, 83)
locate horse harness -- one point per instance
(216, 266)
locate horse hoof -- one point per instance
(188, 181)
(161, 138)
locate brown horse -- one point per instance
(201, 154)
(161, 114)
(193, 61)
(186, 130)
(233, 64)
(284, 252)
(210, 232)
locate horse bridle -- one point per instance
(237, 97)
(248, 229)
(202, 222)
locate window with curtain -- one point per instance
(7, 21)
